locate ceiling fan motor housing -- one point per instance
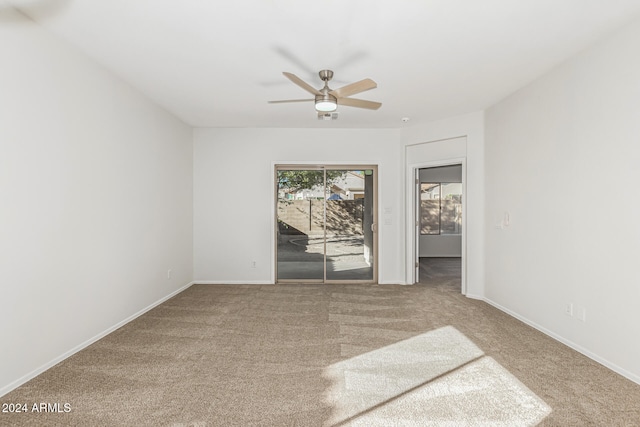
(325, 102)
(326, 98)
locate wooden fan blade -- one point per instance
(360, 103)
(304, 85)
(353, 88)
(290, 100)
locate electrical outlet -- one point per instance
(169, 274)
(568, 310)
(253, 264)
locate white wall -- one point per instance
(96, 201)
(562, 158)
(448, 141)
(234, 195)
(440, 246)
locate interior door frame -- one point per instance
(414, 183)
(324, 167)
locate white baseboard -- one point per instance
(232, 282)
(261, 282)
(17, 383)
(629, 375)
(393, 282)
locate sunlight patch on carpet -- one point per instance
(439, 378)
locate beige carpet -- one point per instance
(273, 356)
(439, 378)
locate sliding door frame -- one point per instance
(325, 167)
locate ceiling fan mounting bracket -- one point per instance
(325, 75)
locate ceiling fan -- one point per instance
(327, 99)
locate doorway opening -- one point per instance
(326, 223)
(439, 220)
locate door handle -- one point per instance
(374, 227)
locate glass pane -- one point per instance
(451, 212)
(300, 224)
(429, 208)
(350, 238)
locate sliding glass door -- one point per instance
(300, 228)
(326, 224)
(350, 225)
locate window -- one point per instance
(440, 208)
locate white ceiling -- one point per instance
(217, 63)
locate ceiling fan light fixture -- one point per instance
(326, 103)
